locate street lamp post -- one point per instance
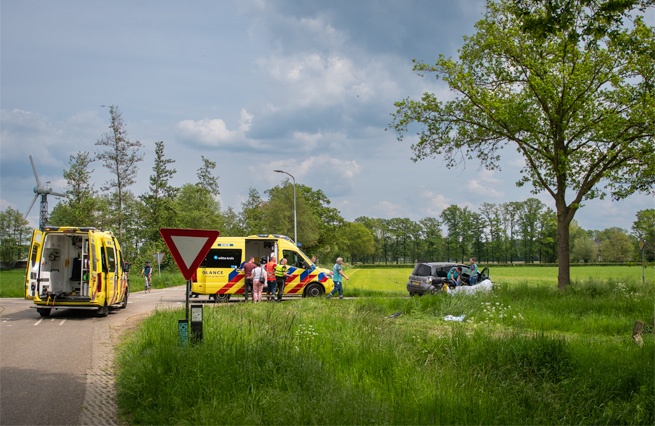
(295, 226)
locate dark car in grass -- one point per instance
(430, 277)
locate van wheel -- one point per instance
(127, 294)
(221, 298)
(314, 290)
(44, 312)
(103, 311)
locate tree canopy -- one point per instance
(567, 83)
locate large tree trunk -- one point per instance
(564, 216)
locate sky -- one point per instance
(307, 87)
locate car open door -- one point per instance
(32, 284)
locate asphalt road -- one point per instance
(59, 370)
(54, 371)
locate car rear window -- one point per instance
(422, 270)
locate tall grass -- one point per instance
(12, 283)
(317, 361)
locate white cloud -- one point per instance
(390, 209)
(214, 132)
(485, 185)
(434, 203)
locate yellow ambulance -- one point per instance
(75, 268)
(220, 275)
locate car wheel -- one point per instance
(45, 313)
(314, 290)
(221, 298)
(433, 290)
(103, 311)
(127, 294)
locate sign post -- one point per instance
(188, 248)
(158, 257)
(642, 245)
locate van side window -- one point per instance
(103, 258)
(222, 258)
(293, 258)
(111, 259)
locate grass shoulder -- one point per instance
(523, 354)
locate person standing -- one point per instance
(281, 277)
(247, 271)
(271, 280)
(258, 282)
(473, 279)
(337, 277)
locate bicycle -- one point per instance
(148, 284)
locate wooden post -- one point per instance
(636, 332)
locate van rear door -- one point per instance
(32, 286)
(109, 268)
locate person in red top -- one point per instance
(271, 285)
(247, 271)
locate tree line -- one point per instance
(516, 231)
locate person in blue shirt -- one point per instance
(454, 275)
(473, 279)
(337, 277)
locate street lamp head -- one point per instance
(278, 171)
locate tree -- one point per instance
(197, 209)
(583, 249)
(491, 216)
(14, 236)
(159, 201)
(81, 203)
(644, 230)
(563, 82)
(279, 214)
(529, 226)
(120, 157)
(510, 217)
(206, 178)
(252, 213)
(432, 238)
(615, 245)
(359, 241)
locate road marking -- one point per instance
(39, 321)
(62, 321)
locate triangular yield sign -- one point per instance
(188, 247)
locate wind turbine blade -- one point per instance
(58, 194)
(38, 182)
(31, 205)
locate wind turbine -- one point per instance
(42, 190)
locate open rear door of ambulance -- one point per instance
(32, 284)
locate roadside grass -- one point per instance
(524, 354)
(12, 283)
(167, 279)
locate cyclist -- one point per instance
(147, 272)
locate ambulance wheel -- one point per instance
(44, 312)
(314, 290)
(103, 311)
(127, 294)
(221, 298)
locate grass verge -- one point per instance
(523, 355)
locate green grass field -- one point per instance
(524, 354)
(393, 281)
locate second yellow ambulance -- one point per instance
(220, 275)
